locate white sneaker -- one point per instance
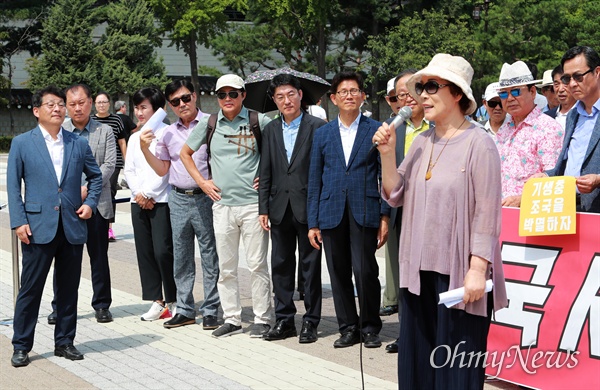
(156, 312)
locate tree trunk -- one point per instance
(322, 71)
(375, 84)
(194, 66)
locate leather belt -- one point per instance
(192, 191)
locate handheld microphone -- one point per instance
(404, 114)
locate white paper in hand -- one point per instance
(155, 120)
(452, 297)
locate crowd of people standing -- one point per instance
(432, 188)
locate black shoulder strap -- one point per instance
(210, 131)
(255, 128)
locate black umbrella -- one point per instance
(257, 83)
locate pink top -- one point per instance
(453, 215)
(168, 148)
(531, 147)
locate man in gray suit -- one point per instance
(580, 154)
(405, 134)
(49, 220)
(284, 163)
(102, 142)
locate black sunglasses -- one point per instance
(231, 94)
(393, 99)
(494, 103)
(548, 88)
(431, 87)
(566, 78)
(185, 98)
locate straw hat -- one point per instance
(516, 75)
(455, 69)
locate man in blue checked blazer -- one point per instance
(343, 179)
(49, 218)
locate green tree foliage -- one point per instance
(192, 22)
(242, 48)
(20, 30)
(126, 60)
(67, 46)
(416, 39)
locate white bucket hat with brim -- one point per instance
(516, 75)
(455, 69)
(546, 80)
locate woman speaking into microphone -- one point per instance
(450, 189)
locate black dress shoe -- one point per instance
(371, 340)
(281, 330)
(308, 334)
(348, 339)
(103, 315)
(388, 310)
(52, 318)
(392, 348)
(179, 320)
(209, 323)
(68, 351)
(19, 358)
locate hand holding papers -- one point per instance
(155, 120)
(452, 297)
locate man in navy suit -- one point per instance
(580, 154)
(50, 222)
(285, 156)
(346, 213)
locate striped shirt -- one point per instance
(116, 124)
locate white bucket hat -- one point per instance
(455, 69)
(516, 75)
(491, 91)
(546, 80)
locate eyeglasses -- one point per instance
(514, 92)
(51, 105)
(102, 102)
(183, 98)
(231, 94)
(400, 96)
(566, 78)
(344, 92)
(281, 98)
(494, 103)
(431, 87)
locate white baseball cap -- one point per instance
(230, 80)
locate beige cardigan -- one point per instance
(460, 216)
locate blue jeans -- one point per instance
(192, 215)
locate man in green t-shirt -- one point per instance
(234, 161)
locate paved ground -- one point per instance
(131, 354)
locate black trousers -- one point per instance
(97, 249)
(37, 259)
(348, 251)
(114, 181)
(154, 249)
(430, 333)
(283, 269)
